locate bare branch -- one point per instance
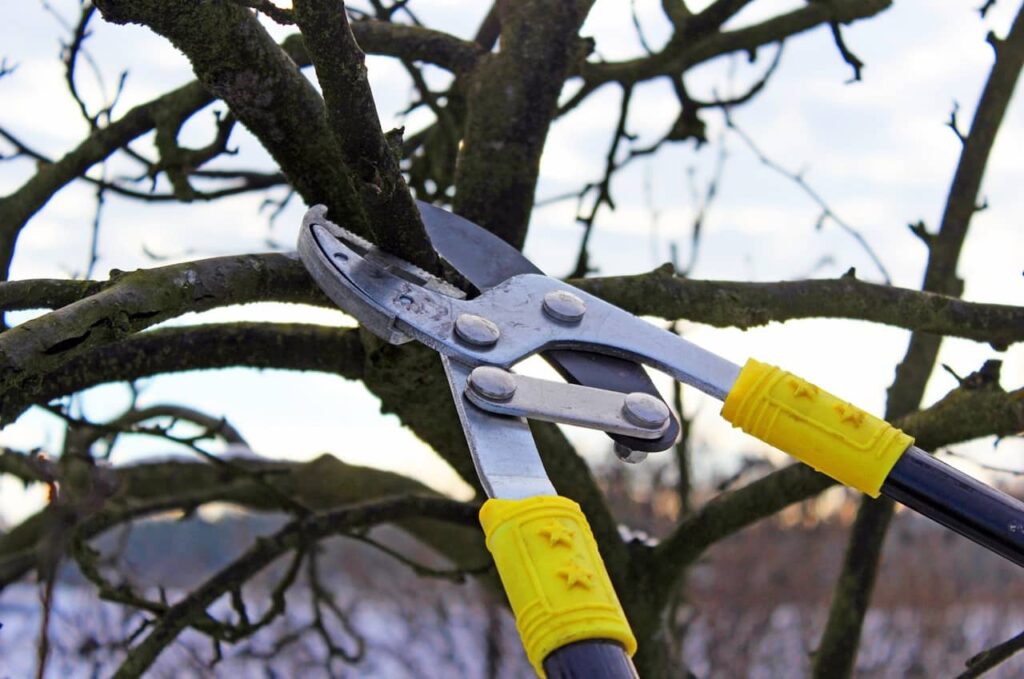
(603, 188)
(986, 660)
(666, 295)
(840, 638)
(680, 55)
(352, 115)
(844, 51)
(295, 535)
(826, 211)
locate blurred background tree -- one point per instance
(495, 93)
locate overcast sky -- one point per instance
(877, 150)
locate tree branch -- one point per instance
(236, 60)
(393, 218)
(295, 535)
(512, 97)
(17, 208)
(840, 639)
(679, 55)
(202, 347)
(133, 301)
(152, 488)
(666, 295)
(986, 660)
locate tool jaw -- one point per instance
(323, 245)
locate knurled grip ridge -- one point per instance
(553, 575)
(831, 435)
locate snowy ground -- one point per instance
(403, 638)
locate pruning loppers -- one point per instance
(566, 609)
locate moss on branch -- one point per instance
(745, 305)
(390, 211)
(512, 97)
(235, 59)
(133, 301)
(282, 346)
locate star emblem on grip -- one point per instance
(576, 574)
(849, 414)
(802, 389)
(557, 533)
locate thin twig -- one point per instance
(827, 213)
(986, 660)
(983, 465)
(456, 575)
(844, 51)
(603, 187)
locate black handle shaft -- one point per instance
(591, 659)
(946, 495)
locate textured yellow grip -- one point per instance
(829, 434)
(553, 574)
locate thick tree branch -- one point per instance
(679, 55)
(203, 347)
(841, 637)
(133, 301)
(512, 97)
(235, 59)
(666, 295)
(40, 293)
(352, 115)
(108, 312)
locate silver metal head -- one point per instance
(328, 251)
(396, 306)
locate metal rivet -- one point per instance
(629, 456)
(644, 410)
(564, 306)
(494, 384)
(476, 330)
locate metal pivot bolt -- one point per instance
(644, 410)
(476, 330)
(492, 383)
(629, 456)
(564, 306)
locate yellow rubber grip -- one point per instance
(553, 575)
(829, 434)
